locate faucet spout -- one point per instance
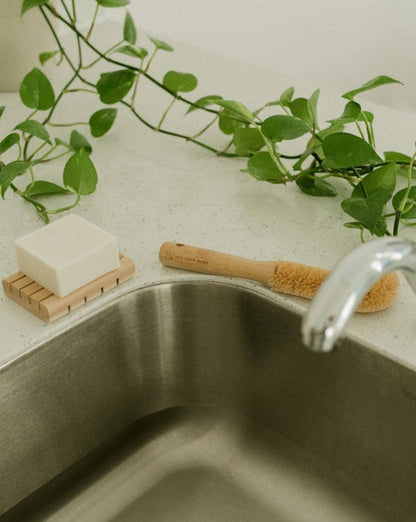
(348, 283)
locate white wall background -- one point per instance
(338, 44)
(332, 43)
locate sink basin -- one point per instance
(195, 402)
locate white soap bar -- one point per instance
(67, 254)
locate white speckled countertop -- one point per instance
(154, 188)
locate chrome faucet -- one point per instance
(349, 282)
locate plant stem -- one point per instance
(123, 102)
(32, 176)
(63, 209)
(369, 128)
(122, 64)
(175, 134)
(360, 183)
(67, 91)
(54, 157)
(40, 160)
(91, 64)
(396, 223)
(93, 22)
(138, 70)
(31, 114)
(136, 83)
(225, 150)
(409, 184)
(36, 151)
(38, 206)
(66, 10)
(165, 114)
(205, 128)
(274, 155)
(68, 124)
(337, 175)
(61, 48)
(403, 202)
(74, 12)
(150, 60)
(359, 130)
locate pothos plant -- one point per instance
(343, 148)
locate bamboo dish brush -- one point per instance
(280, 276)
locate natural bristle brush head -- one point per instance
(381, 295)
(304, 281)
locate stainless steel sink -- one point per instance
(196, 402)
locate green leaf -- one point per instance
(343, 150)
(80, 174)
(129, 29)
(390, 155)
(113, 86)
(383, 177)
(227, 122)
(353, 224)
(34, 128)
(332, 129)
(8, 142)
(179, 82)
(313, 102)
(102, 121)
(372, 84)
(30, 4)
(301, 108)
(262, 167)
(205, 101)
(78, 142)
(163, 46)
(42, 188)
(284, 100)
(351, 113)
(62, 143)
(397, 201)
(380, 227)
(286, 97)
(44, 57)
(269, 104)
(368, 115)
(2, 109)
(369, 210)
(9, 172)
(113, 3)
(283, 127)
(130, 50)
(36, 91)
(247, 141)
(315, 187)
(237, 109)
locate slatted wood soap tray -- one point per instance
(49, 307)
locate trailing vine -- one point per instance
(343, 148)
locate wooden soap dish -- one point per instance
(49, 307)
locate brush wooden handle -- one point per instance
(280, 276)
(187, 257)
